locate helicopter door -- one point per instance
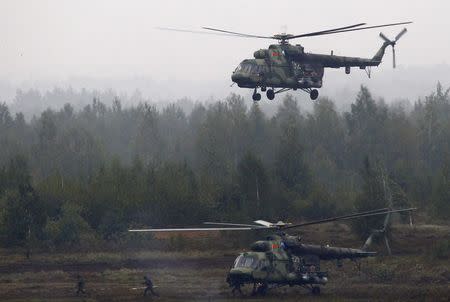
(308, 75)
(311, 263)
(256, 72)
(262, 270)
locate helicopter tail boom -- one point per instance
(329, 252)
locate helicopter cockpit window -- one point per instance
(256, 69)
(245, 261)
(247, 68)
(262, 69)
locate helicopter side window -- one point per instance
(254, 69)
(262, 69)
(263, 264)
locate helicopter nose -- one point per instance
(238, 277)
(237, 77)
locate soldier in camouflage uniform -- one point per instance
(149, 286)
(80, 285)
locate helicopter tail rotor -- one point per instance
(378, 233)
(392, 43)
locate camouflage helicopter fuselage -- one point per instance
(284, 260)
(287, 66)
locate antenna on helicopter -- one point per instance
(392, 43)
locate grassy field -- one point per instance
(414, 273)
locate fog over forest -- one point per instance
(98, 169)
(405, 84)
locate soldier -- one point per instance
(236, 287)
(80, 285)
(149, 286)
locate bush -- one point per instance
(177, 243)
(440, 250)
(383, 273)
(70, 228)
(319, 204)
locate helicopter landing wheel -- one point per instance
(315, 290)
(270, 94)
(256, 97)
(262, 289)
(237, 288)
(314, 94)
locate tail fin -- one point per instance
(380, 53)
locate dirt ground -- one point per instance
(411, 274)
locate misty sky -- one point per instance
(56, 40)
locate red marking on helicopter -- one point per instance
(275, 54)
(274, 246)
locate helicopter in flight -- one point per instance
(284, 66)
(284, 260)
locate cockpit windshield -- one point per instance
(250, 68)
(245, 261)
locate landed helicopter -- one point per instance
(287, 66)
(284, 260)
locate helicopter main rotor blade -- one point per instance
(235, 224)
(192, 229)
(237, 34)
(352, 216)
(340, 217)
(345, 30)
(273, 37)
(264, 223)
(195, 31)
(330, 30)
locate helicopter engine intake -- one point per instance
(260, 54)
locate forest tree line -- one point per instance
(67, 175)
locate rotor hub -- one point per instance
(283, 38)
